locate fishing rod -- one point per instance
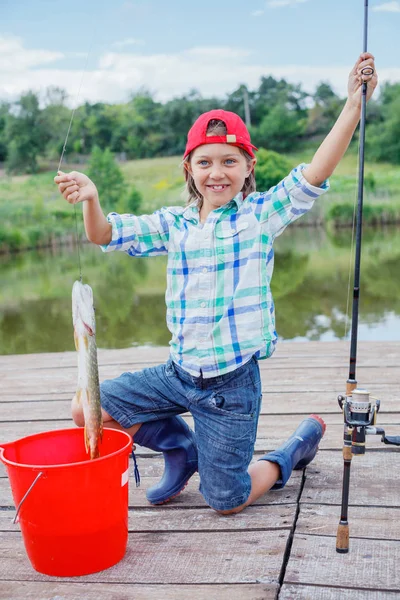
(359, 409)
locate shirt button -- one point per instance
(233, 230)
(202, 304)
(204, 270)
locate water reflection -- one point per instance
(310, 288)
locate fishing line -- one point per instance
(75, 102)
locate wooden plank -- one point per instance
(16, 391)
(337, 351)
(278, 392)
(189, 498)
(375, 480)
(273, 430)
(273, 517)
(49, 406)
(320, 362)
(49, 590)
(370, 564)
(7, 396)
(42, 378)
(142, 354)
(173, 558)
(364, 522)
(309, 592)
(52, 408)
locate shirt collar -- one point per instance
(191, 212)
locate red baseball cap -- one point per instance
(236, 132)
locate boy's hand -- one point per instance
(357, 77)
(76, 187)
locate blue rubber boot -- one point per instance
(299, 450)
(174, 438)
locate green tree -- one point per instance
(236, 101)
(271, 168)
(322, 116)
(280, 130)
(108, 178)
(54, 121)
(383, 136)
(4, 113)
(272, 93)
(24, 135)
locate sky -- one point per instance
(106, 50)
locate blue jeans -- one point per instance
(225, 411)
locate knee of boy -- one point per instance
(231, 511)
(77, 413)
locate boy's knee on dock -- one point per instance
(231, 511)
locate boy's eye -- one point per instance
(230, 161)
(203, 163)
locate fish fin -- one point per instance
(76, 339)
(87, 446)
(78, 396)
(86, 342)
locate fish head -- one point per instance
(82, 309)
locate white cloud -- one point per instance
(77, 54)
(14, 57)
(388, 7)
(214, 71)
(280, 3)
(128, 42)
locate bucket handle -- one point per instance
(26, 495)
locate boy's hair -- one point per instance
(216, 127)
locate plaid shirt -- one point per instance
(220, 309)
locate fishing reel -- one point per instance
(360, 413)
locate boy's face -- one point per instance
(219, 171)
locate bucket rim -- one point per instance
(82, 463)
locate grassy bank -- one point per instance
(33, 214)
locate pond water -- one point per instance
(310, 286)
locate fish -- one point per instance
(88, 388)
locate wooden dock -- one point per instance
(283, 546)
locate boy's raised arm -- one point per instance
(77, 187)
(338, 139)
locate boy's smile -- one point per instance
(219, 172)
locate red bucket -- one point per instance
(74, 511)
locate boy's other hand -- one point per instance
(75, 187)
(357, 78)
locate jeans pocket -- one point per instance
(237, 403)
(169, 368)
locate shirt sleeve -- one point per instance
(147, 235)
(287, 201)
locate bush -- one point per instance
(271, 168)
(108, 178)
(341, 214)
(130, 202)
(12, 239)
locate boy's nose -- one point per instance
(216, 173)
